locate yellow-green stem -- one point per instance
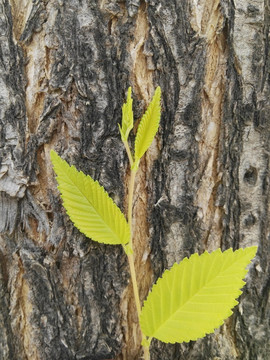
(137, 302)
(130, 202)
(146, 353)
(130, 255)
(134, 283)
(129, 153)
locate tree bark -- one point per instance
(65, 67)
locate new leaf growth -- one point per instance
(148, 127)
(191, 299)
(127, 117)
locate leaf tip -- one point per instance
(129, 92)
(53, 155)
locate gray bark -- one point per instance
(64, 69)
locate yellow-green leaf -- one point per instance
(89, 206)
(148, 126)
(127, 117)
(194, 297)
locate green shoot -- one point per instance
(188, 301)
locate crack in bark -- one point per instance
(208, 134)
(142, 74)
(20, 310)
(20, 12)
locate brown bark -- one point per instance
(64, 69)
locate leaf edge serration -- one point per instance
(154, 314)
(85, 181)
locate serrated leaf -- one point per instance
(127, 117)
(148, 126)
(194, 297)
(89, 206)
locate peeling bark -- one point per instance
(65, 67)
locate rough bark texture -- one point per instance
(65, 66)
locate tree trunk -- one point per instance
(65, 66)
